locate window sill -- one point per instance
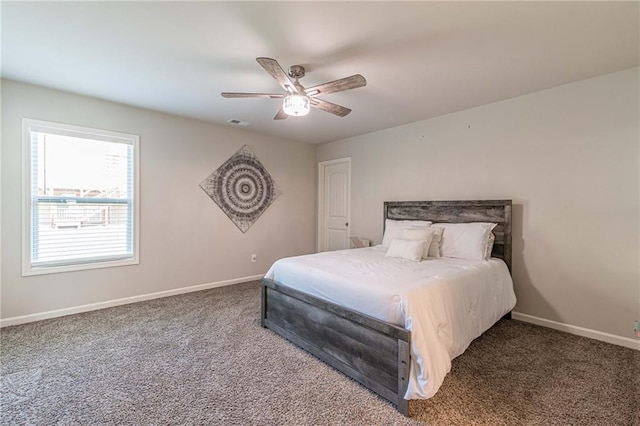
(43, 270)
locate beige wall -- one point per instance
(568, 157)
(185, 239)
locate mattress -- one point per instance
(445, 303)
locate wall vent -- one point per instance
(236, 122)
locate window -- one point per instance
(80, 189)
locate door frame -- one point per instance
(322, 165)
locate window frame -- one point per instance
(29, 125)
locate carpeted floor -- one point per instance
(202, 358)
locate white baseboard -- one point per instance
(579, 331)
(572, 329)
(117, 302)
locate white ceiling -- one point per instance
(420, 59)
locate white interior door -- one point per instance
(334, 193)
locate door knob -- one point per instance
(346, 224)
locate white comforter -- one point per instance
(445, 303)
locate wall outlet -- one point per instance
(254, 258)
(636, 328)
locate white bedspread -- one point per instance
(445, 303)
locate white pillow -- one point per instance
(406, 249)
(465, 240)
(435, 249)
(425, 235)
(393, 228)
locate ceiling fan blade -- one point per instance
(281, 115)
(251, 95)
(273, 67)
(329, 107)
(346, 83)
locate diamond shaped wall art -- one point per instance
(242, 188)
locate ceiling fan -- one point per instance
(297, 100)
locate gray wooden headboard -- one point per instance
(494, 211)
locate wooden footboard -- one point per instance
(370, 351)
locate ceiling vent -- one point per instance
(236, 122)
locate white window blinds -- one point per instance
(82, 198)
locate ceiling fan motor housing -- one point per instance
(296, 71)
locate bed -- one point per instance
(332, 311)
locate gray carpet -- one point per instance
(202, 358)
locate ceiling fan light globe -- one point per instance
(296, 105)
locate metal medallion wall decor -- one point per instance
(242, 188)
